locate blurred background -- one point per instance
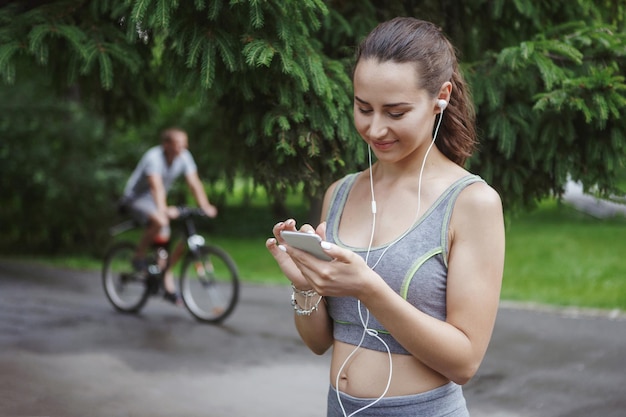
(263, 88)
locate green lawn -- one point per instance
(554, 255)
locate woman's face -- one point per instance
(390, 113)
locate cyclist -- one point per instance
(145, 197)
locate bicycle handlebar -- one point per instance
(185, 212)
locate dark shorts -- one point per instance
(444, 401)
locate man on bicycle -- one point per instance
(145, 196)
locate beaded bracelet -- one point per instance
(307, 294)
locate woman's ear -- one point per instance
(443, 97)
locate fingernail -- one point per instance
(281, 247)
(325, 245)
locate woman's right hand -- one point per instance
(285, 263)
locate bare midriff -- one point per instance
(367, 372)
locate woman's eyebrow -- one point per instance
(384, 105)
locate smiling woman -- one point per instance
(416, 241)
(389, 115)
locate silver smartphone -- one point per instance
(308, 242)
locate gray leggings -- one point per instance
(444, 401)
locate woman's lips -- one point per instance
(383, 146)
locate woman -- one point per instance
(409, 301)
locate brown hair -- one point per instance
(409, 40)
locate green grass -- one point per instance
(254, 262)
(554, 255)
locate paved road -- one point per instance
(65, 352)
(596, 207)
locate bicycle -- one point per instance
(209, 279)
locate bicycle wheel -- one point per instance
(209, 284)
(125, 288)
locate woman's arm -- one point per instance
(316, 329)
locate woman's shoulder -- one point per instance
(478, 198)
(475, 190)
(331, 191)
(346, 179)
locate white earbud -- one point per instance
(442, 104)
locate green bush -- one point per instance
(55, 183)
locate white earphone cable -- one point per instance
(419, 194)
(364, 322)
(419, 186)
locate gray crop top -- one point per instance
(415, 266)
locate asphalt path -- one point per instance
(597, 207)
(65, 352)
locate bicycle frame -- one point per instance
(193, 239)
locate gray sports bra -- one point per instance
(415, 266)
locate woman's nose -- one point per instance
(377, 128)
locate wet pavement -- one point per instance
(65, 352)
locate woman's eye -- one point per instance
(393, 115)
